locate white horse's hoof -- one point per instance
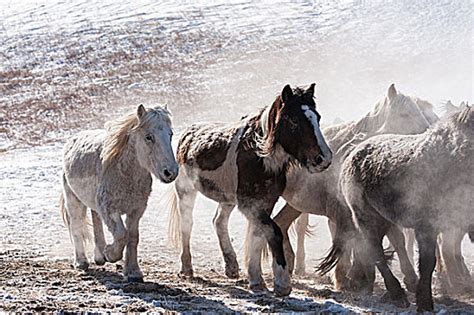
(81, 265)
(111, 255)
(282, 291)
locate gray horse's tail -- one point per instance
(174, 218)
(345, 232)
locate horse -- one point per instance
(423, 182)
(109, 171)
(318, 194)
(245, 164)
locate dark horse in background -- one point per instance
(423, 182)
(245, 164)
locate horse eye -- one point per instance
(150, 138)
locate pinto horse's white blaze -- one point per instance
(313, 119)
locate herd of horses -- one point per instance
(399, 167)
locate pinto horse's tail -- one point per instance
(345, 232)
(174, 219)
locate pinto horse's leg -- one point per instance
(77, 216)
(255, 242)
(221, 222)
(132, 270)
(284, 219)
(186, 199)
(397, 239)
(114, 252)
(99, 239)
(301, 226)
(426, 239)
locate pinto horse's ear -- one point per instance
(287, 93)
(310, 90)
(141, 111)
(392, 92)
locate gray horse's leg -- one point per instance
(426, 239)
(114, 252)
(77, 216)
(301, 226)
(99, 239)
(132, 270)
(221, 222)
(397, 239)
(284, 219)
(343, 265)
(186, 200)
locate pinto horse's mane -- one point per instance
(119, 130)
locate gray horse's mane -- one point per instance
(119, 130)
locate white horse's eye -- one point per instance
(150, 138)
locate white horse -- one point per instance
(108, 171)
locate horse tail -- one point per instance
(174, 218)
(345, 231)
(84, 227)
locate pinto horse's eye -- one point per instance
(292, 123)
(150, 138)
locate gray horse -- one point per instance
(108, 171)
(422, 182)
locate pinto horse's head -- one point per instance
(293, 122)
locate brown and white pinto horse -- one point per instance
(245, 164)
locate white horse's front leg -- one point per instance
(99, 239)
(132, 271)
(114, 252)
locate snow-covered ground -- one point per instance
(69, 65)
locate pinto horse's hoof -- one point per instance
(400, 302)
(281, 291)
(258, 288)
(134, 278)
(81, 265)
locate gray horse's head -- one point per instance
(152, 138)
(398, 114)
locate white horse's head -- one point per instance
(399, 114)
(152, 138)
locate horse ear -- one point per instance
(287, 93)
(141, 111)
(310, 90)
(392, 92)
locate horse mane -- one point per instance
(269, 122)
(119, 130)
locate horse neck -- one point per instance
(128, 163)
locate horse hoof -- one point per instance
(134, 279)
(425, 305)
(232, 273)
(281, 291)
(99, 261)
(400, 302)
(258, 288)
(300, 271)
(186, 273)
(82, 265)
(110, 255)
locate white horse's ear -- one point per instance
(165, 106)
(141, 111)
(392, 92)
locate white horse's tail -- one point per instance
(174, 218)
(85, 231)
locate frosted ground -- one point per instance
(69, 66)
